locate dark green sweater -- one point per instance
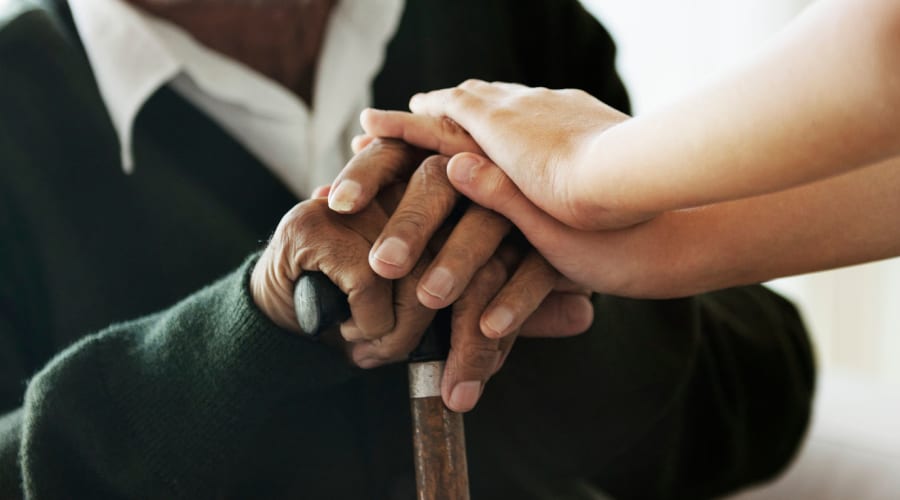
(207, 398)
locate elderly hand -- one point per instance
(387, 319)
(310, 237)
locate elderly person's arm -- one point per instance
(168, 404)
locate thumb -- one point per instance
(486, 184)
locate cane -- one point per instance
(438, 436)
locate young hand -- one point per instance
(542, 139)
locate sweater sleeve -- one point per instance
(167, 404)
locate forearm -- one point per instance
(10, 433)
(845, 220)
(821, 99)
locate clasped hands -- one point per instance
(407, 245)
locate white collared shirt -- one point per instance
(134, 53)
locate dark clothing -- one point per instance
(207, 398)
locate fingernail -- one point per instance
(344, 196)
(392, 251)
(438, 283)
(465, 395)
(498, 320)
(462, 168)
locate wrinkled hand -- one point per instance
(387, 316)
(497, 287)
(542, 139)
(310, 237)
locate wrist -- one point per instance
(605, 188)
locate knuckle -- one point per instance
(538, 92)
(385, 144)
(459, 93)
(433, 170)
(535, 267)
(382, 346)
(432, 191)
(401, 341)
(510, 254)
(471, 83)
(360, 290)
(379, 329)
(502, 112)
(412, 220)
(490, 222)
(493, 274)
(502, 192)
(305, 216)
(368, 362)
(362, 284)
(457, 256)
(449, 126)
(299, 224)
(573, 92)
(394, 347)
(479, 357)
(373, 336)
(352, 337)
(387, 150)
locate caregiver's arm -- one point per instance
(821, 99)
(844, 220)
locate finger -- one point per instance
(389, 197)
(359, 142)
(468, 104)
(317, 239)
(381, 162)
(484, 183)
(472, 242)
(412, 319)
(511, 86)
(428, 200)
(320, 192)
(473, 357)
(506, 344)
(435, 102)
(520, 296)
(462, 105)
(561, 314)
(440, 134)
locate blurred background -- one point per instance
(666, 48)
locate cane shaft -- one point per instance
(439, 442)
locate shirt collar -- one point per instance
(129, 61)
(133, 54)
